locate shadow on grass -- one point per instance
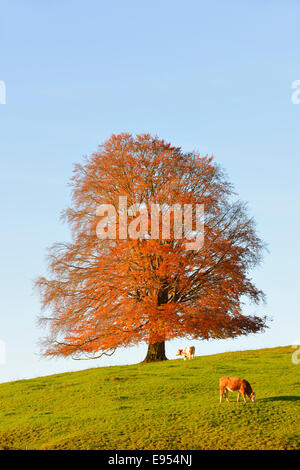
(282, 398)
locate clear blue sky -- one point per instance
(208, 75)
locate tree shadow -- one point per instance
(282, 398)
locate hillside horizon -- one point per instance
(168, 405)
(92, 361)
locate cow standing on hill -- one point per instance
(189, 352)
(235, 384)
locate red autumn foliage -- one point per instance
(105, 294)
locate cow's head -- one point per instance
(179, 352)
(252, 397)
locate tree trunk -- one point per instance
(156, 352)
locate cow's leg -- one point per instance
(227, 398)
(221, 394)
(238, 397)
(245, 401)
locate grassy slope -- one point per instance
(171, 405)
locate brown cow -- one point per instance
(235, 384)
(189, 352)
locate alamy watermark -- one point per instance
(2, 92)
(2, 352)
(188, 222)
(296, 94)
(296, 354)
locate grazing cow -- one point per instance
(235, 384)
(189, 352)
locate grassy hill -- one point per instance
(171, 405)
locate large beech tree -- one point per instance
(102, 294)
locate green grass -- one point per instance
(171, 405)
